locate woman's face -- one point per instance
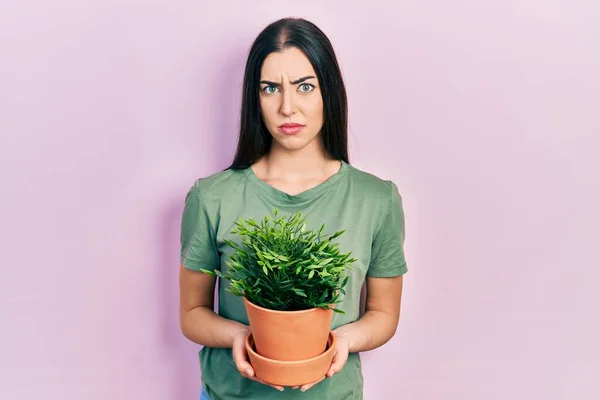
(290, 94)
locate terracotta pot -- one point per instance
(289, 335)
(291, 373)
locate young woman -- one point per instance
(292, 155)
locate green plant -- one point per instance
(280, 265)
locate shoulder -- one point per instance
(372, 186)
(218, 184)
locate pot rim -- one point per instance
(308, 310)
(330, 340)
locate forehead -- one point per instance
(290, 63)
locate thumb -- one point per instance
(240, 358)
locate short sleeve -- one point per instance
(387, 250)
(198, 245)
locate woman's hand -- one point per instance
(240, 358)
(374, 329)
(340, 356)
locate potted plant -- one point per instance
(290, 279)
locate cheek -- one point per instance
(314, 108)
(268, 112)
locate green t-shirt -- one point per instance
(368, 208)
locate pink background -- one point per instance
(485, 113)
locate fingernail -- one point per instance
(249, 372)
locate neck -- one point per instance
(310, 160)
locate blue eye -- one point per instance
(307, 86)
(266, 89)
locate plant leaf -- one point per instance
(299, 292)
(280, 264)
(335, 235)
(326, 261)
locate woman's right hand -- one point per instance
(240, 358)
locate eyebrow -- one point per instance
(293, 83)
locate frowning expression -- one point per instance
(290, 99)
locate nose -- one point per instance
(287, 103)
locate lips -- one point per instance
(290, 129)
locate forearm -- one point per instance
(203, 326)
(373, 330)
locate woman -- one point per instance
(292, 155)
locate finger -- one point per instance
(244, 368)
(332, 368)
(247, 372)
(240, 358)
(336, 367)
(306, 387)
(337, 364)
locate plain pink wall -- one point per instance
(485, 113)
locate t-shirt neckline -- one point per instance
(308, 194)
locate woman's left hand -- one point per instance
(340, 356)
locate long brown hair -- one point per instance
(254, 138)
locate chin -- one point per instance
(292, 143)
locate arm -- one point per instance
(200, 324)
(380, 321)
(375, 328)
